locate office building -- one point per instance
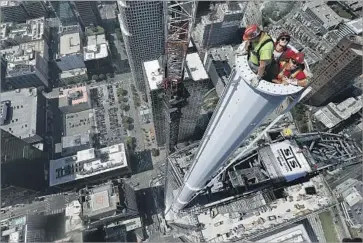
(13, 34)
(36, 9)
(27, 65)
(107, 203)
(252, 14)
(87, 13)
(196, 82)
(351, 193)
(73, 76)
(354, 27)
(144, 38)
(219, 63)
(91, 165)
(23, 114)
(108, 16)
(3, 73)
(64, 12)
(322, 13)
(70, 49)
(22, 165)
(336, 71)
(97, 56)
(74, 99)
(333, 114)
(27, 228)
(13, 11)
(20, 11)
(221, 26)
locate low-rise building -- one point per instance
(74, 143)
(23, 114)
(27, 65)
(96, 52)
(14, 34)
(332, 114)
(89, 165)
(321, 12)
(70, 50)
(73, 76)
(351, 191)
(74, 99)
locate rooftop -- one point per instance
(87, 163)
(195, 67)
(22, 120)
(100, 200)
(296, 233)
(333, 114)
(73, 96)
(96, 48)
(107, 11)
(154, 74)
(9, 3)
(324, 13)
(78, 123)
(73, 143)
(69, 44)
(73, 73)
(73, 220)
(223, 9)
(356, 25)
(32, 30)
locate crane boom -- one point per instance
(179, 18)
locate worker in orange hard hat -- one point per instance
(282, 51)
(293, 71)
(259, 48)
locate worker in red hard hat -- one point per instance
(293, 71)
(282, 51)
(259, 48)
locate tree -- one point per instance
(124, 92)
(125, 99)
(95, 77)
(102, 76)
(128, 119)
(130, 127)
(131, 142)
(122, 106)
(126, 108)
(155, 152)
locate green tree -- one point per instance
(126, 108)
(102, 76)
(130, 142)
(95, 77)
(155, 152)
(125, 99)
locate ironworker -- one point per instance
(293, 71)
(282, 51)
(259, 48)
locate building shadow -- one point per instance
(141, 161)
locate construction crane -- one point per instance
(179, 17)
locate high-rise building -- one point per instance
(336, 71)
(196, 83)
(64, 12)
(252, 14)
(88, 13)
(22, 165)
(20, 11)
(142, 27)
(220, 26)
(23, 114)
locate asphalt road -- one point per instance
(354, 171)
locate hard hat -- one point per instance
(251, 32)
(282, 34)
(298, 57)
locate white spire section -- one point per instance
(241, 109)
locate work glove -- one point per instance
(255, 81)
